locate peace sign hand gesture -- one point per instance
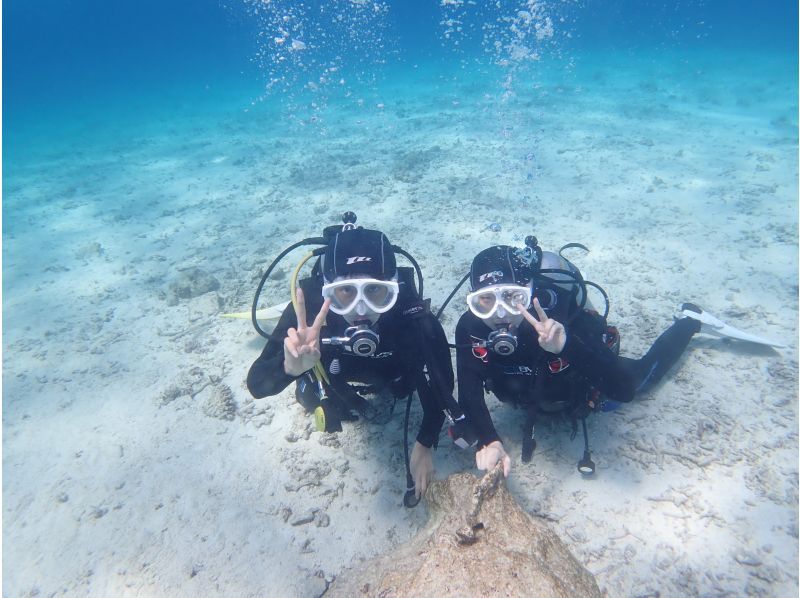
(301, 345)
(552, 336)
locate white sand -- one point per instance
(120, 478)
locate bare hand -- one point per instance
(301, 345)
(421, 468)
(552, 336)
(490, 455)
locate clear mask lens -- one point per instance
(482, 303)
(343, 297)
(486, 302)
(379, 295)
(346, 295)
(512, 297)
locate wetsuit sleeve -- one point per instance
(440, 372)
(432, 418)
(471, 375)
(599, 365)
(267, 376)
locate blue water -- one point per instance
(83, 74)
(141, 139)
(66, 59)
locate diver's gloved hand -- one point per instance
(552, 336)
(301, 345)
(490, 455)
(421, 468)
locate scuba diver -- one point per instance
(562, 359)
(360, 318)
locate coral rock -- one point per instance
(478, 542)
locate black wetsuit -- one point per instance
(534, 378)
(397, 363)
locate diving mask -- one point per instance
(345, 295)
(485, 302)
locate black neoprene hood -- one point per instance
(361, 252)
(499, 264)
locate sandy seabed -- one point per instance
(136, 463)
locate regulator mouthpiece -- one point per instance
(359, 340)
(502, 342)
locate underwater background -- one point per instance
(144, 142)
(80, 71)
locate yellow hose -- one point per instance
(293, 282)
(318, 369)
